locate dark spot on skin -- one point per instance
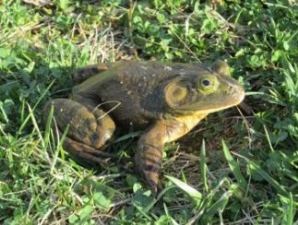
(153, 168)
(94, 138)
(152, 160)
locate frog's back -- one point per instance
(121, 90)
(131, 90)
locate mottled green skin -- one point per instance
(165, 100)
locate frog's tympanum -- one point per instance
(165, 101)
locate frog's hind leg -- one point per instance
(88, 130)
(83, 74)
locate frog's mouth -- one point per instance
(214, 102)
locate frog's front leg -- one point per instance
(88, 128)
(148, 157)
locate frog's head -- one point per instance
(205, 92)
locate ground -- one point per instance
(238, 166)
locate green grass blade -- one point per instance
(58, 150)
(151, 205)
(3, 114)
(219, 205)
(47, 132)
(234, 167)
(257, 168)
(34, 122)
(34, 107)
(288, 218)
(195, 195)
(173, 221)
(203, 166)
(268, 139)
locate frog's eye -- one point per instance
(175, 93)
(207, 84)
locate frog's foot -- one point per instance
(86, 132)
(88, 154)
(148, 162)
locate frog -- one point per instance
(164, 101)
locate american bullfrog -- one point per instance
(165, 101)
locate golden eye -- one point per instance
(207, 84)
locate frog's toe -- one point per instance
(86, 154)
(152, 179)
(150, 176)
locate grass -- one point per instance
(249, 178)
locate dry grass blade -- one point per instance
(38, 3)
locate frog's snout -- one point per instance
(238, 94)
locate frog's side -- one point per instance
(165, 100)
